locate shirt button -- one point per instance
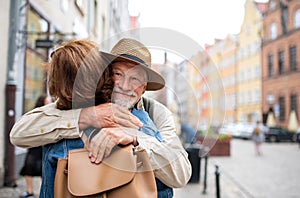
(42, 130)
(69, 125)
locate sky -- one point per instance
(202, 20)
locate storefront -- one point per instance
(35, 73)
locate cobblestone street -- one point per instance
(275, 174)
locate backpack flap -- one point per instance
(87, 178)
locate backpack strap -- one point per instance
(147, 106)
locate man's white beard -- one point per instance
(125, 101)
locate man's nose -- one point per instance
(124, 83)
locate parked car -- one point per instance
(278, 134)
(298, 136)
(245, 130)
(229, 129)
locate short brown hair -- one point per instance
(78, 76)
(41, 100)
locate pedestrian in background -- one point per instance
(33, 161)
(258, 138)
(188, 134)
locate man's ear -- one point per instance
(144, 88)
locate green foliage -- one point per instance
(212, 133)
(224, 137)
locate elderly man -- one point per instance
(132, 76)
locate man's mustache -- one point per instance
(128, 93)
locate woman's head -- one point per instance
(78, 76)
(42, 100)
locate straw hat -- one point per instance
(135, 52)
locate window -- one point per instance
(281, 62)
(249, 74)
(257, 95)
(256, 47)
(297, 19)
(270, 65)
(257, 71)
(249, 97)
(249, 50)
(241, 54)
(273, 31)
(293, 58)
(233, 101)
(241, 76)
(294, 105)
(35, 74)
(272, 5)
(247, 29)
(241, 98)
(282, 108)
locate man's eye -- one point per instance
(135, 79)
(117, 74)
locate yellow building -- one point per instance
(249, 64)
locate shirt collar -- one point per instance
(140, 105)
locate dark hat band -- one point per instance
(133, 58)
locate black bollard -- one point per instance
(217, 173)
(205, 174)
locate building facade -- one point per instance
(195, 102)
(215, 84)
(204, 91)
(228, 72)
(249, 64)
(280, 62)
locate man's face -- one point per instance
(130, 83)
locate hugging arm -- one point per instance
(47, 124)
(168, 158)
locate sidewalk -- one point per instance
(228, 188)
(8, 192)
(242, 175)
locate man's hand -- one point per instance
(107, 115)
(149, 127)
(101, 145)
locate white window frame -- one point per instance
(273, 31)
(297, 19)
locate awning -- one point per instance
(293, 122)
(271, 122)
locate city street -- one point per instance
(229, 68)
(275, 174)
